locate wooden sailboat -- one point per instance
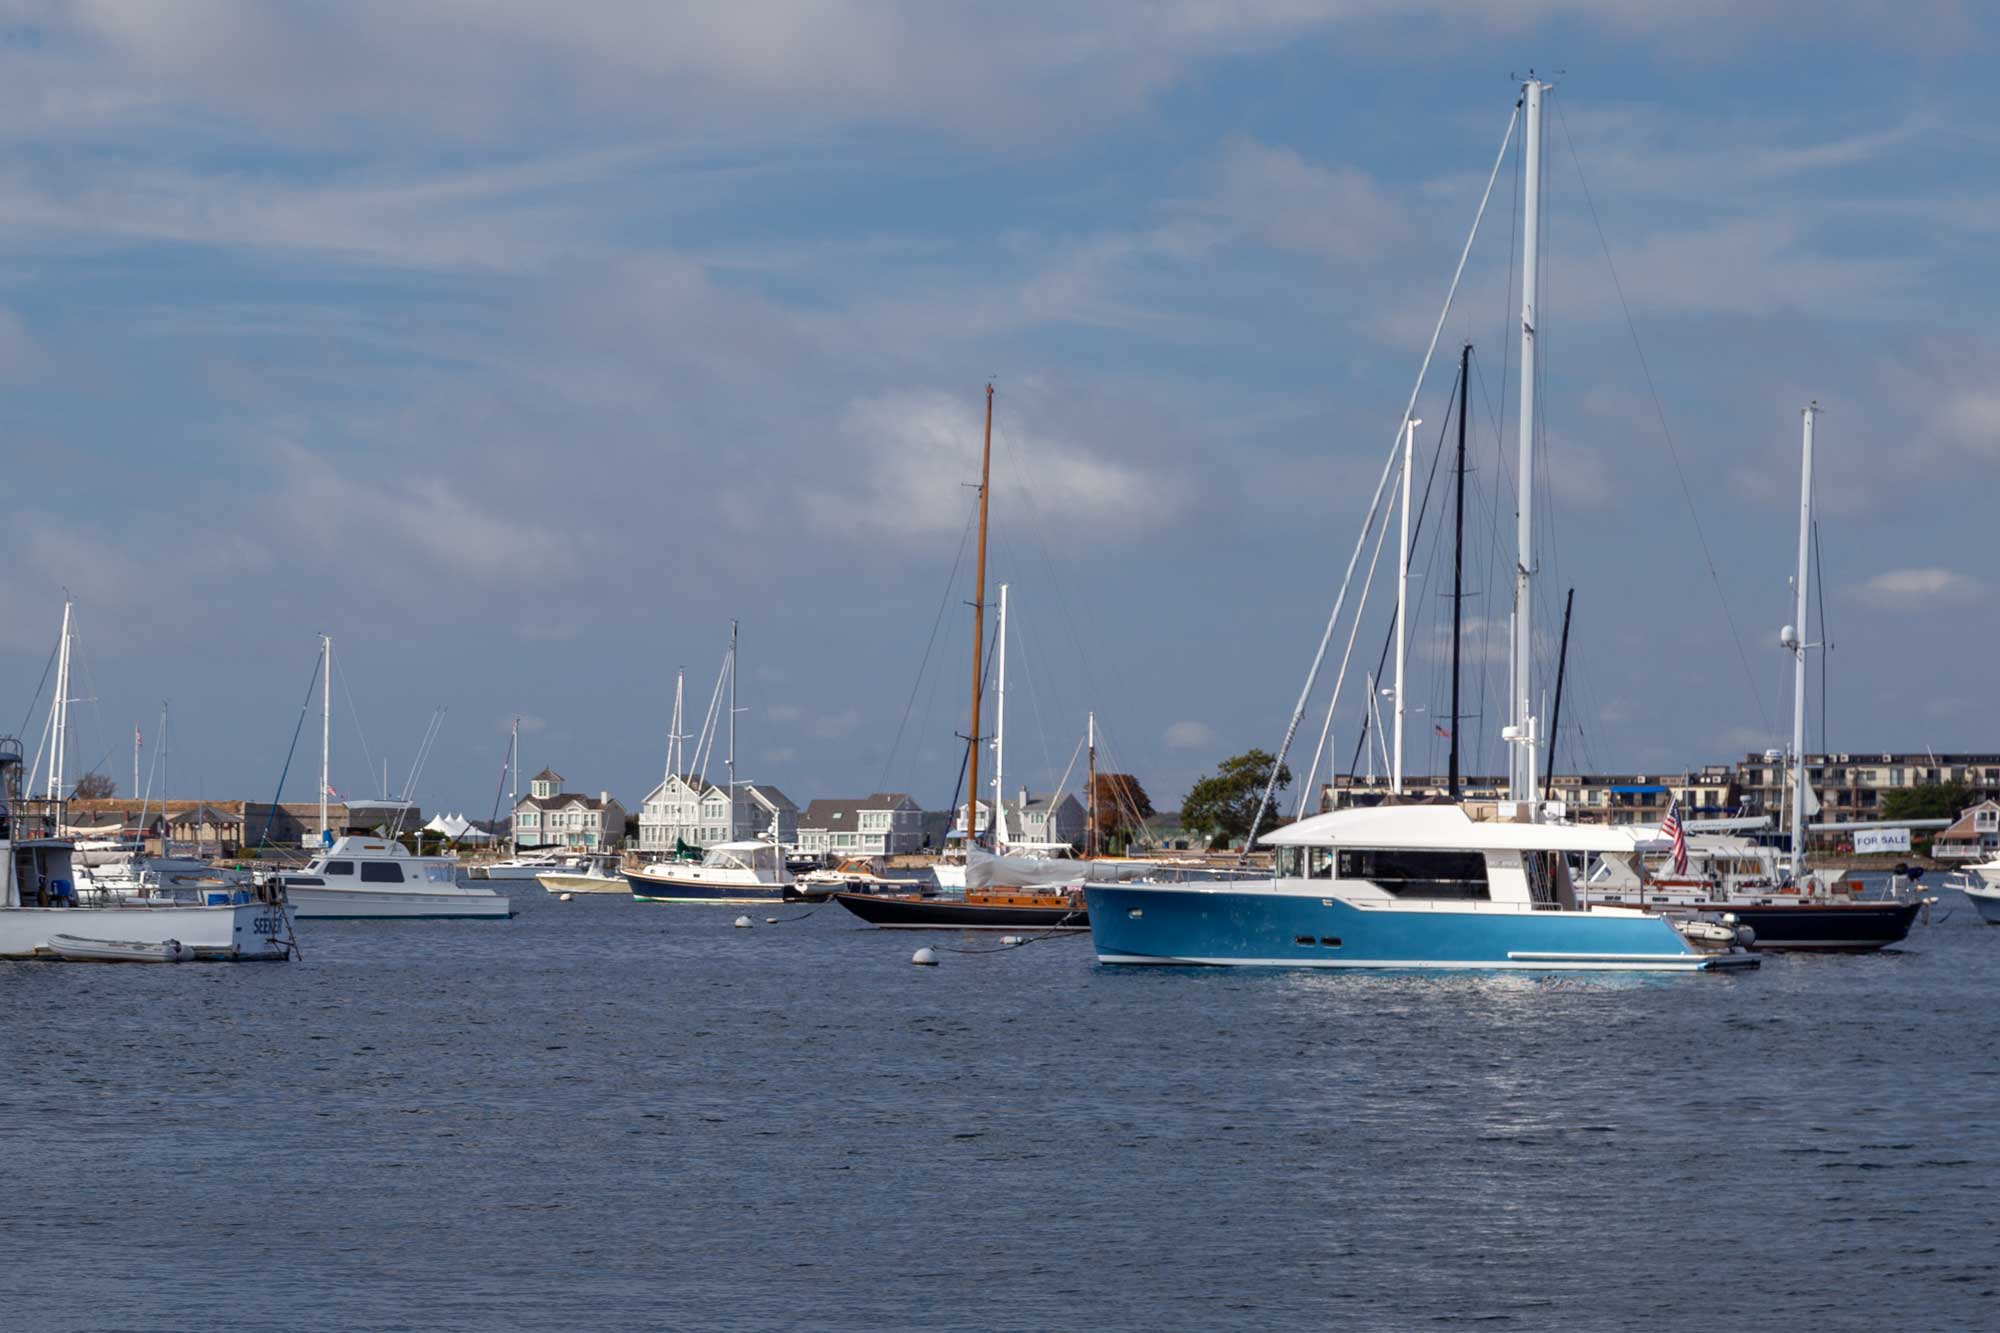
(990, 906)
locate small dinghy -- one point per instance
(76, 949)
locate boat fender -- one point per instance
(566, 897)
(1745, 936)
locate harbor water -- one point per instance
(612, 1115)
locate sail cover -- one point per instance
(984, 870)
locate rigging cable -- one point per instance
(923, 665)
(1659, 409)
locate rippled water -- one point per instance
(611, 1114)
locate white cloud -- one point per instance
(1970, 419)
(1914, 589)
(1188, 736)
(1272, 195)
(911, 455)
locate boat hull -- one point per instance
(506, 872)
(660, 889)
(237, 932)
(1829, 927)
(333, 903)
(918, 913)
(1986, 901)
(584, 883)
(1171, 925)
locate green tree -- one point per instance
(1936, 800)
(1223, 805)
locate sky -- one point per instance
(521, 348)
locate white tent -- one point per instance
(457, 828)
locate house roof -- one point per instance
(1963, 827)
(547, 775)
(205, 814)
(844, 812)
(563, 799)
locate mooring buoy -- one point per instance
(565, 897)
(924, 958)
(743, 923)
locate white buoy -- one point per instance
(1010, 939)
(565, 897)
(743, 923)
(770, 921)
(924, 958)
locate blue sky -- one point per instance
(521, 350)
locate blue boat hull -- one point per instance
(1255, 927)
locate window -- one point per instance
(1418, 874)
(381, 872)
(345, 868)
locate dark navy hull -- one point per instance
(648, 890)
(1833, 927)
(907, 913)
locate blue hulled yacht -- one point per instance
(1477, 885)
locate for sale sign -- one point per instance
(1881, 840)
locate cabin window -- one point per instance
(1285, 865)
(1418, 874)
(1319, 862)
(381, 872)
(340, 868)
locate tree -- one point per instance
(1937, 800)
(1122, 805)
(1222, 806)
(94, 787)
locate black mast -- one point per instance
(1458, 567)
(1556, 713)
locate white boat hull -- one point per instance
(338, 902)
(513, 872)
(565, 883)
(235, 933)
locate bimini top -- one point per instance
(1446, 827)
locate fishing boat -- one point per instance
(376, 878)
(42, 914)
(752, 871)
(1460, 885)
(596, 873)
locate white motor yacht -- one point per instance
(377, 877)
(528, 865)
(590, 874)
(730, 872)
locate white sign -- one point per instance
(1881, 840)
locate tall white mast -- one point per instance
(732, 731)
(1090, 791)
(514, 790)
(1000, 834)
(1795, 639)
(1521, 759)
(1403, 603)
(325, 728)
(59, 731)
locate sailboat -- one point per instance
(1783, 907)
(1465, 885)
(995, 897)
(741, 870)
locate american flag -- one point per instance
(1670, 827)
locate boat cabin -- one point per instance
(1447, 855)
(759, 858)
(381, 861)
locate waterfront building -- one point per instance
(1974, 837)
(1853, 785)
(881, 824)
(548, 816)
(691, 810)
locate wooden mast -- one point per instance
(978, 636)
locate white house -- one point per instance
(1032, 818)
(548, 816)
(692, 810)
(885, 823)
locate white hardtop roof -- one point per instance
(754, 844)
(1445, 828)
(376, 849)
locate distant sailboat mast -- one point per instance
(59, 729)
(1795, 640)
(1001, 835)
(978, 634)
(514, 789)
(325, 731)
